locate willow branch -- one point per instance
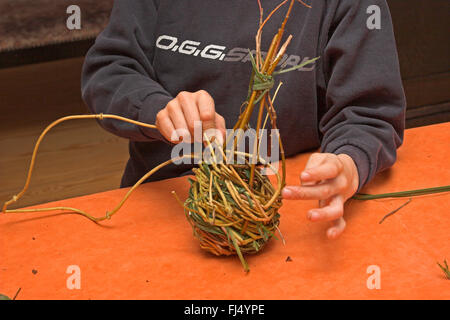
(100, 116)
(108, 214)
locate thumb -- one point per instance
(218, 133)
(221, 125)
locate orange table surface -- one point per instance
(147, 250)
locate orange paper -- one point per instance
(147, 250)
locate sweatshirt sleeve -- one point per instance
(118, 77)
(365, 101)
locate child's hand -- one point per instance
(331, 179)
(182, 112)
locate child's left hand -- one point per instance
(331, 179)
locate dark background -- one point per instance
(40, 67)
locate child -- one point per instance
(173, 62)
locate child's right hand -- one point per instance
(176, 121)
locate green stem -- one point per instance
(402, 194)
(238, 251)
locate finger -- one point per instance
(207, 111)
(213, 135)
(334, 210)
(165, 126)
(221, 125)
(314, 160)
(337, 228)
(323, 203)
(316, 192)
(190, 110)
(327, 170)
(308, 183)
(176, 115)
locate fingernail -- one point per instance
(305, 176)
(313, 215)
(286, 193)
(175, 137)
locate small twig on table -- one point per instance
(445, 269)
(396, 210)
(3, 297)
(17, 293)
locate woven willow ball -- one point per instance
(225, 216)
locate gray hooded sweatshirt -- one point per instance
(350, 101)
